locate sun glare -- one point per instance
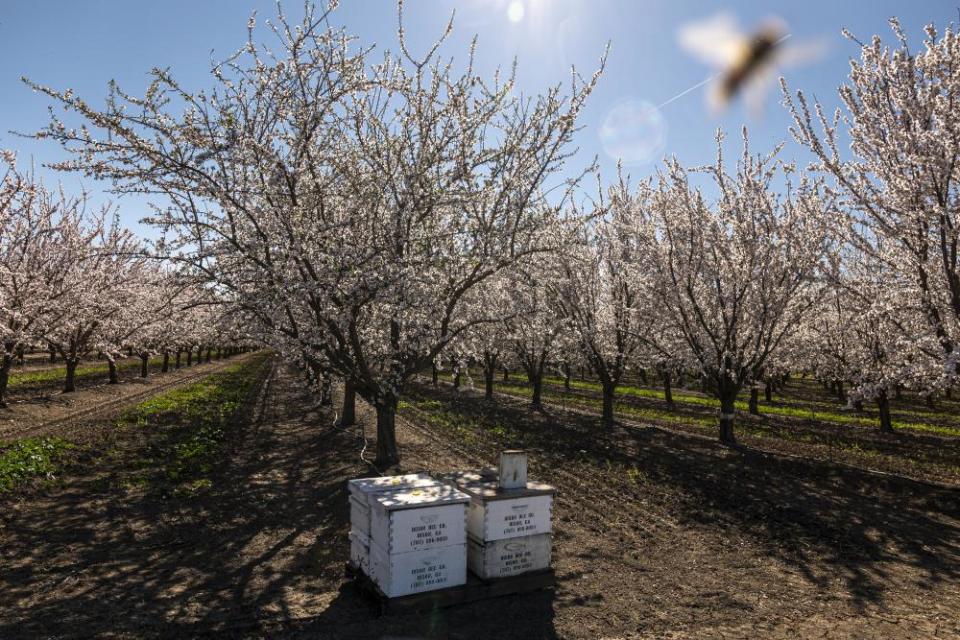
(515, 11)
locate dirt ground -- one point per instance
(657, 535)
(31, 408)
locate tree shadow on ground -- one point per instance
(260, 553)
(874, 533)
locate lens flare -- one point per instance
(515, 11)
(634, 132)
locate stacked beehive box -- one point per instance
(408, 533)
(509, 521)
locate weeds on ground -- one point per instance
(188, 428)
(31, 459)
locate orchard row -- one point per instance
(374, 216)
(75, 283)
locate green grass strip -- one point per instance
(199, 414)
(53, 374)
(795, 412)
(31, 458)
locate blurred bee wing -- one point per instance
(716, 41)
(757, 88)
(795, 54)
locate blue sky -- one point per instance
(82, 45)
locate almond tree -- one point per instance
(97, 257)
(890, 348)
(899, 183)
(490, 342)
(538, 330)
(601, 301)
(142, 298)
(350, 205)
(30, 262)
(733, 276)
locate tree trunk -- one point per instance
(858, 405)
(387, 453)
(488, 383)
(144, 364)
(219, 353)
(728, 397)
(53, 354)
(609, 389)
(209, 354)
(349, 413)
(768, 391)
(176, 362)
(898, 392)
(69, 385)
(643, 376)
(667, 389)
(456, 380)
(189, 357)
(326, 385)
(566, 376)
(536, 381)
(166, 362)
(883, 404)
(754, 400)
(841, 393)
(506, 374)
(112, 367)
(5, 378)
(434, 374)
(930, 403)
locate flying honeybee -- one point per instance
(745, 63)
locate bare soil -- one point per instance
(40, 411)
(657, 535)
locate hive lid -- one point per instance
(490, 490)
(390, 483)
(419, 497)
(487, 474)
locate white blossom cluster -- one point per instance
(374, 214)
(74, 282)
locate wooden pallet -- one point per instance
(475, 589)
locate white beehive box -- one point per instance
(360, 551)
(403, 574)
(513, 469)
(497, 514)
(362, 489)
(418, 519)
(510, 556)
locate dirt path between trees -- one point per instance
(261, 554)
(56, 413)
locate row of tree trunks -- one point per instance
(726, 392)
